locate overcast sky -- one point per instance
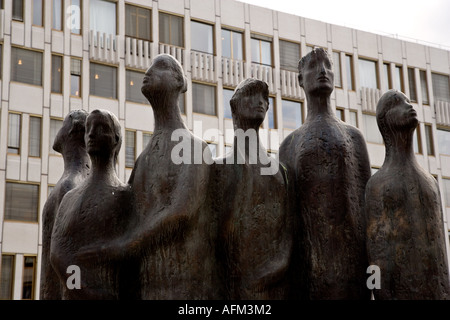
(427, 21)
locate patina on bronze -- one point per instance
(328, 168)
(255, 235)
(69, 141)
(405, 229)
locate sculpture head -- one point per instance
(103, 134)
(250, 101)
(165, 76)
(316, 74)
(394, 114)
(72, 131)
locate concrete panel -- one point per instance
(76, 45)
(367, 44)
(439, 60)
(376, 154)
(37, 37)
(201, 9)
(57, 41)
(14, 239)
(31, 102)
(392, 50)
(142, 117)
(288, 26)
(261, 20)
(34, 170)
(232, 14)
(12, 167)
(342, 38)
(56, 105)
(416, 55)
(17, 33)
(56, 163)
(175, 6)
(316, 33)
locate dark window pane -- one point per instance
(103, 81)
(21, 202)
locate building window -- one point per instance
(292, 114)
(37, 13)
(133, 85)
(441, 89)
(354, 118)
(138, 22)
(232, 45)
(272, 114)
(417, 145)
(371, 129)
(368, 74)
(386, 77)
(424, 86)
(202, 37)
(57, 67)
(21, 202)
(337, 69)
(227, 95)
(446, 200)
(26, 66)
(398, 83)
(14, 131)
(204, 99)
(55, 126)
(261, 50)
(443, 137)
(130, 148)
(34, 144)
(102, 16)
(181, 103)
(412, 85)
(28, 278)
(57, 14)
(340, 114)
(17, 10)
(289, 55)
(75, 17)
(429, 139)
(349, 71)
(146, 136)
(171, 29)
(213, 149)
(103, 81)
(75, 77)
(7, 277)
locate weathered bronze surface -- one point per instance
(405, 229)
(328, 168)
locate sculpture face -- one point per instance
(164, 75)
(402, 113)
(317, 76)
(253, 107)
(100, 134)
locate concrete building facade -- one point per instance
(62, 55)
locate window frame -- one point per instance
(232, 30)
(8, 181)
(171, 15)
(377, 76)
(136, 6)
(412, 81)
(422, 90)
(212, 36)
(350, 71)
(116, 90)
(12, 62)
(19, 147)
(30, 136)
(42, 14)
(274, 113)
(260, 37)
(51, 151)
(61, 78)
(34, 277)
(81, 18)
(144, 99)
(61, 14)
(294, 69)
(23, 11)
(205, 84)
(429, 140)
(12, 275)
(302, 113)
(127, 132)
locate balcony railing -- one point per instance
(104, 47)
(177, 52)
(369, 99)
(290, 87)
(233, 71)
(203, 66)
(442, 113)
(138, 53)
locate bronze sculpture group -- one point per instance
(224, 231)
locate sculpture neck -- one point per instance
(319, 106)
(167, 114)
(103, 169)
(76, 159)
(247, 142)
(399, 148)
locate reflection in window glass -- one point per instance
(349, 71)
(14, 130)
(292, 114)
(337, 69)
(171, 29)
(57, 14)
(227, 95)
(232, 45)
(443, 137)
(37, 12)
(6, 277)
(371, 129)
(202, 37)
(261, 51)
(28, 278)
(368, 74)
(102, 16)
(137, 22)
(204, 99)
(272, 114)
(398, 78)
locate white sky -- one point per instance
(425, 20)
